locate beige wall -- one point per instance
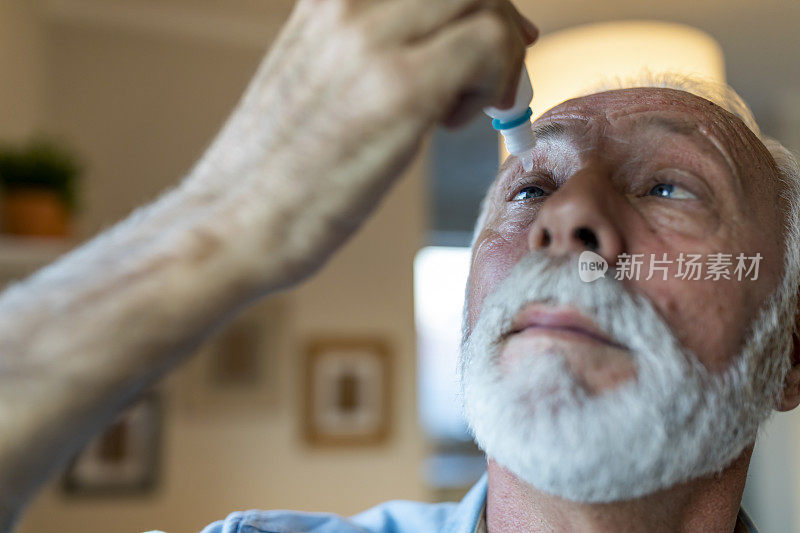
(141, 105)
(21, 70)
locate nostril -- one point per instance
(588, 238)
(546, 239)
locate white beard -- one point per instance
(673, 422)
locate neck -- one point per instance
(705, 504)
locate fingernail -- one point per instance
(531, 31)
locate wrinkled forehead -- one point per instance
(609, 112)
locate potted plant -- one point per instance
(37, 189)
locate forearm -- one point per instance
(82, 337)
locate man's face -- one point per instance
(611, 389)
(641, 171)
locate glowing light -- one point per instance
(574, 61)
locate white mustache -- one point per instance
(627, 318)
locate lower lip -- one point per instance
(559, 333)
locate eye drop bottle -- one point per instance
(514, 123)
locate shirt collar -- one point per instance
(481, 526)
(467, 515)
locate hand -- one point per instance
(342, 102)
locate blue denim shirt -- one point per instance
(398, 516)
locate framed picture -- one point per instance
(124, 458)
(347, 392)
(235, 369)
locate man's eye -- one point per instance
(673, 192)
(529, 193)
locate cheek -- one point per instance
(495, 255)
(709, 317)
(705, 316)
(691, 222)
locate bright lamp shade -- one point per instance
(574, 61)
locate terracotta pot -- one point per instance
(33, 212)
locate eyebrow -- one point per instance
(672, 125)
(549, 130)
(541, 132)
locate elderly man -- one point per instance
(628, 403)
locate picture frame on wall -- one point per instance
(124, 459)
(347, 396)
(236, 369)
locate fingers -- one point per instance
(406, 21)
(467, 106)
(530, 34)
(474, 60)
(529, 29)
(510, 92)
(403, 21)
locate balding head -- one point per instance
(657, 174)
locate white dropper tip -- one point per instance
(519, 142)
(527, 162)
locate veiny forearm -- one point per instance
(80, 338)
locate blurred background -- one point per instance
(337, 394)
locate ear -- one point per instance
(791, 386)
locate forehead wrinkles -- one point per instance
(749, 157)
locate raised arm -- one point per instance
(331, 117)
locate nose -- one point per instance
(579, 217)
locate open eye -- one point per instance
(673, 192)
(529, 193)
